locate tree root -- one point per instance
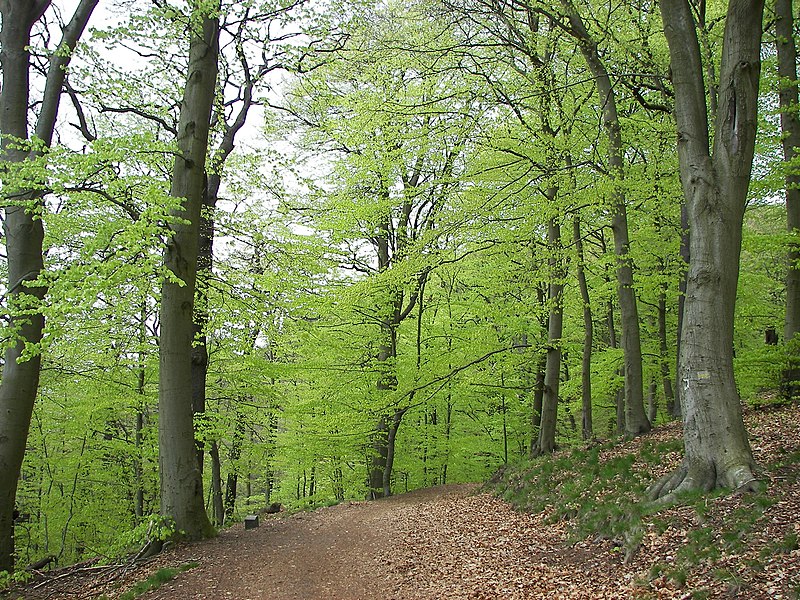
(702, 478)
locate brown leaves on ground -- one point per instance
(454, 542)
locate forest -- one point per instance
(299, 252)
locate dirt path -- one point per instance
(439, 543)
(337, 552)
(445, 542)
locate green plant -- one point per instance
(788, 543)
(156, 580)
(656, 570)
(678, 576)
(10, 579)
(701, 545)
(155, 528)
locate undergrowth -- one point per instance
(155, 581)
(599, 497)
(602, 498)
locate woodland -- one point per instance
(300, 252)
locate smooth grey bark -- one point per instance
(666, 376)
(652, 400)
(181, 481)
(555, 329)
(636, 421)
(684, 251)
(715, 183)
(619, 397)
(24, 233)
(790, 127)
(587, 425)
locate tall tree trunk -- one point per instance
(382, 438)
(24, 234)
(652, 400)
(181, 480)
(555, 326)
(394, 425)
(790, 126)
(538, 385)
(587, 426)
(233, 475)
(619, 396)
(448, 426)
(676, 412)
(666, 377)
(138, 462)
(715, 187)
(378, 457)
(205, 263)
(216, 485)
(385, 433)
(205, 252)
(636, 421)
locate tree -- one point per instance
(396, 141)
(587, 424)
(636, 421)
(24, 233)
(181, 480)
(715, 182)
(790, 125)
(239, 81)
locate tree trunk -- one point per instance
(666, 377)
(790, 126)
(205, 253)
(391, 438)
(231, 484)
(448, 425)
(181, 480)
(652, 400)
(216, 485)
(619, 397)
(635, 418)
(676, 412)
(715, 188)
(555, 328)
(24, 235)
(587, 426)
(233, 475)
(378, 458)
(138, 466)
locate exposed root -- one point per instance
(663, 490)
(703, 478)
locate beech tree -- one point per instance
(715, 182)
(181, 480)
(24, 233)
(636, 421)
(790, 126)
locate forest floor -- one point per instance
(459, 542)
